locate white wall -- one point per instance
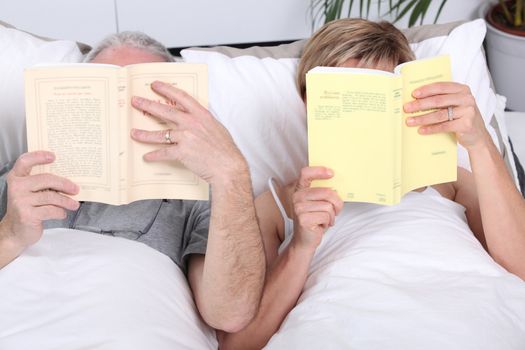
(81, 20)
(183, 22)
(207, 22)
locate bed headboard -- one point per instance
(175, 51)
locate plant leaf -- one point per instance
(350, 5)
(518, 20)
(439, 10)
(405, 10)
(368, 7)
(506, 11)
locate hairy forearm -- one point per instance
(283, 287)
(9, 251)
(502, 208)
(234, 266)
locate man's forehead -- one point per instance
(125, 55)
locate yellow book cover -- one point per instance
(356, 126)
(83, 113)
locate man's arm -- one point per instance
(227, 283)
(501, 205)
(315, 210)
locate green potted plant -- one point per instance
(324, 11)
(505, 44)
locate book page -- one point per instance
(163, 179)
(351, 130)
(426, 159)
(71, 111)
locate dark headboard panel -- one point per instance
(175, 51)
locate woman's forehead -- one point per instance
(358, 63)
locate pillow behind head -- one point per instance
(20, 50)
(253, 93)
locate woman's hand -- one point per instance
(453, 109)
(315, 209)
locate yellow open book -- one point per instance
(356, 126)
(82, 112)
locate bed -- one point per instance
(388, 290)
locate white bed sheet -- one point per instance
(405, 277)
(81, 290)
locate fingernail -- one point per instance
(411, 121)
(416, 93)
(136, 101)
(50, 156)
(329, 172)
(422, 130)
(156, 84)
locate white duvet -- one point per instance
(81, 290)
(411, 276)
(383, 278)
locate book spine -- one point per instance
(123, 107)
(397, 101)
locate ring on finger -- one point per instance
(450, 113)
(167, 137)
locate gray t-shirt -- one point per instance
(177, 228)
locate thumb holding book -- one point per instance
(315, 208)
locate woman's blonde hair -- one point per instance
(338, 41)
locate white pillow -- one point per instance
(20, 50)
(256, 99)
(82, 290)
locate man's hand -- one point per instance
(455, 110)
(32, 199)
(315, 208)
(198, 140)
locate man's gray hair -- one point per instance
(137, 40)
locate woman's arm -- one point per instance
(501, 206)
(315, 210)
